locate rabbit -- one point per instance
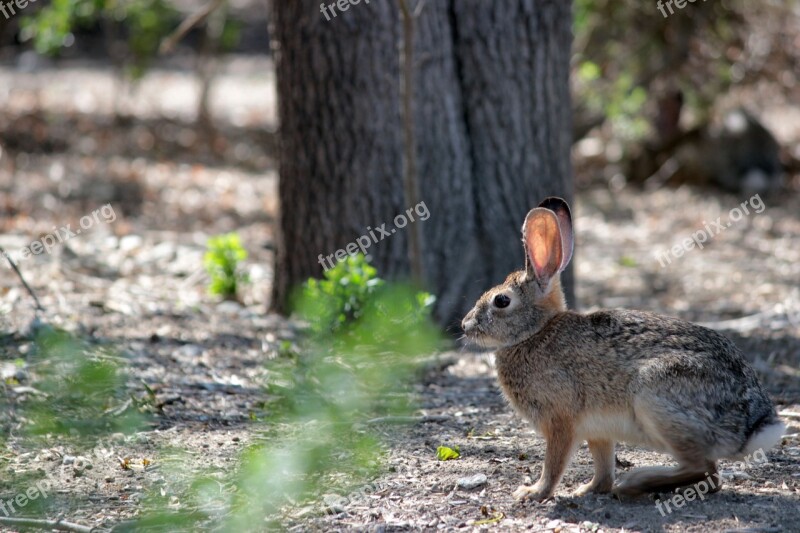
(615, 375)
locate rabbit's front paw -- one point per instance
(532, 492)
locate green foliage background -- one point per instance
(626, 54)
(625, 51)
(363, 342)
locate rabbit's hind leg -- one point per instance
(670, 428)
(666, 479)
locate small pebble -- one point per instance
(472, 482)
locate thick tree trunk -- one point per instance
(514, 76)
(492, 117)
(340, 137)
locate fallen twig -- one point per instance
(58, 525)
(190, 22)
(22, 279)
(120, 409)
(408, 419)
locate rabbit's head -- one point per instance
(516, 310)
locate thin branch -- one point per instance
(404, 9)
(22, 279)
(408, 419)
(410, 178)
(47, 525)
(190, 22)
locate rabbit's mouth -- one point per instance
(475, 336)
(474, 332)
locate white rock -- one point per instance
(189, 350)
(130, 242)
(472, 482)
(229, 308)
(335, 503)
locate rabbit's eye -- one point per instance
(501, 301)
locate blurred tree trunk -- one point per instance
(493, 135)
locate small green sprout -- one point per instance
(345, 295)
(222, 261)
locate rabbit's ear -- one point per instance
(561, 208)
(543, 243)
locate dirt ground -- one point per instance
(137, 282)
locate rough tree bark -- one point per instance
(493, 127)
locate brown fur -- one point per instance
(618, 375)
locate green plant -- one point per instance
(354, 363)
(626, 55)
(81, 389)
(340, 298)
(320, 397)
(145, 22)
(223, 257)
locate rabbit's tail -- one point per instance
(764, 434)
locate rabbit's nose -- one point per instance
(468, 323)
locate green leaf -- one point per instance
(495, 519)
(589, 71)
(443, 453)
